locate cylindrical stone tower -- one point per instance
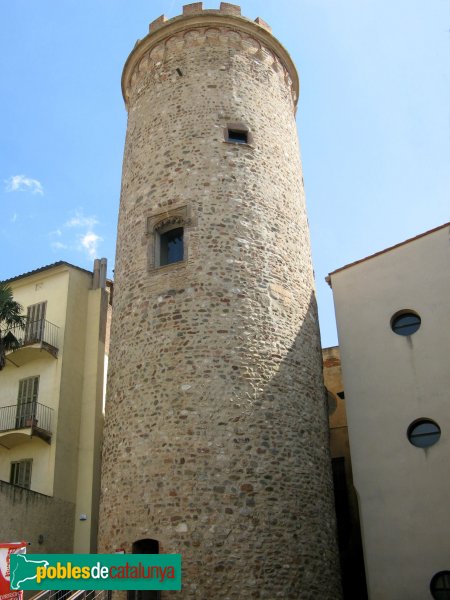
(216, 442)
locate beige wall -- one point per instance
(391, 380)
(91, 423)
(50, 288)
(337, 416)
(72, 385)
(29, 515)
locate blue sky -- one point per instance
(373, 122)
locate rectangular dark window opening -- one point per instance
(171, 246)
(238, 136)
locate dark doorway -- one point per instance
(349, 533)
(145, 546)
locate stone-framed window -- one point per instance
(169, 244)
(168, 238)
(237, 133)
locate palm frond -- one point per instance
(9, 342)
(10, 310)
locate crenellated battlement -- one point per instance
(199, 26)
(151, 64)
(197, 8)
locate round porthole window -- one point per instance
(440, 586)
(423, 433)
(405, 323)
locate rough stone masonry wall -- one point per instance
(216, 435)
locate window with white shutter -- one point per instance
(26, 401)
(21, 473)
(34, 328)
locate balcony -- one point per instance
(21, 422)
(33, 338)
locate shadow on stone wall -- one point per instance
(289, 494)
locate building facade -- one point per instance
(51, 409)
(345, 496)
(216, 441)
(393, 319)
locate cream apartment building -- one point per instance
(51, 396)
(393, 318)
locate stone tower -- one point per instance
(216, 440)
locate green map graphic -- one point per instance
(24, 570)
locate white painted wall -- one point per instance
(391, 380)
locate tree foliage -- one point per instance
(10, 317)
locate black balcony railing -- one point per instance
(36, 332)
(25, 415)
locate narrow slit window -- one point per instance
(171, 246)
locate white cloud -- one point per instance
(59, 246)
(89, 241)
(21, 183)
(86, 240)
(79, 220)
